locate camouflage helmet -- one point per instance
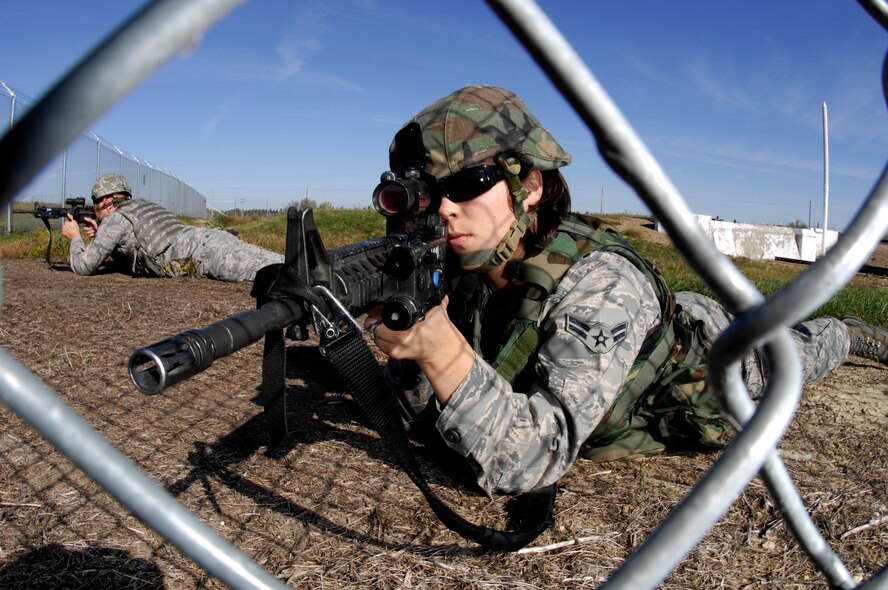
(111, 184)
(477, 123)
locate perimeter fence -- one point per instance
(167, 26)
(72, 172)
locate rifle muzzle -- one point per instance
(154, 368)
(163, 364)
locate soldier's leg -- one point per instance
(822, 343)
(715, 319)
(223, 256)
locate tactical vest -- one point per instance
(664, 399)
(155, 227)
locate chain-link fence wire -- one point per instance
(759, 323)
(166, 26)
(72, 172)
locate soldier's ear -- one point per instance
(533, 184)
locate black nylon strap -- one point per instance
(274, 387)
(351, 356)
(277, 281)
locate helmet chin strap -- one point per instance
(493, 257)
(119, 198)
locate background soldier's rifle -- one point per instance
(76, 206)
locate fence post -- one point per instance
(121, 158)
(64, 175)
(138, 182)
(98, 153)
(11, 121)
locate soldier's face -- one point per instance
(103, 207)
(482, 222)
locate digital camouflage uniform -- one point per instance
(153, 242)
(592, 326)
(520, 440)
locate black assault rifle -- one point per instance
(75, 206)
(402, 271)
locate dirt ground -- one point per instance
(331, 510)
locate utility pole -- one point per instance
(825, 180)
(601, 211)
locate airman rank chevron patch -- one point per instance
(597, 337)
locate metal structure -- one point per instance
(165, 26)
(73, 171)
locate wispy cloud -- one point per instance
(646, 70)
(292, 53)
(740, 155)
(718, 86)
(330, 80)
(309, 25)
(210, 124)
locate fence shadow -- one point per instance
(98, 568)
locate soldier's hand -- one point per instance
(90, 227)
(70, 229)
(437, 346)
(417, 342)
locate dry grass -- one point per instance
(330, 510)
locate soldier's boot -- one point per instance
(867, 340)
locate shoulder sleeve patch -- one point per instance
(597, 337)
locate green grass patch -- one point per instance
(32, 244)
(865, 296)
(338, 227)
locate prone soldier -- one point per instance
(557, 340)
(151, 241)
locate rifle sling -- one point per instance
(352, 357)
(274, 387)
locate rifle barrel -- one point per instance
(158, 366)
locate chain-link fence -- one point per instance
(72, 172)
(759, 322)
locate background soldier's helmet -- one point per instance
(110, 184)
(477, 123)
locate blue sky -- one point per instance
(284, 99)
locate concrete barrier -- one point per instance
(765, 242)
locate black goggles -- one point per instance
(470, 183)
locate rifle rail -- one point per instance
(361, 277)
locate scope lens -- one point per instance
(392, 198)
